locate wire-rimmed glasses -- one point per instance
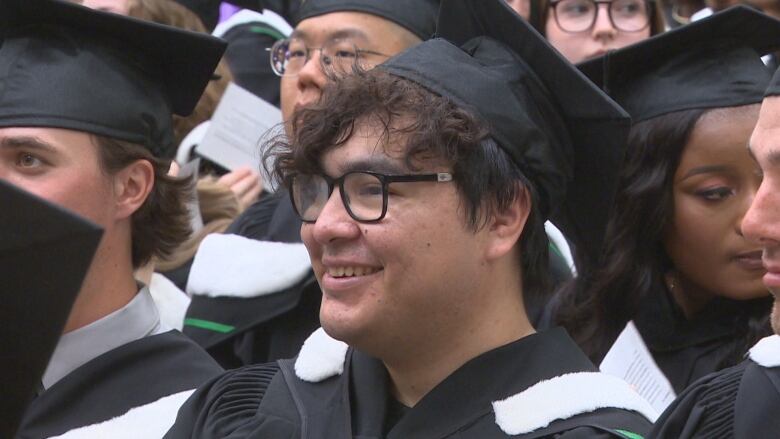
(288, 56)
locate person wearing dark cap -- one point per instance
(85, 122)
(584, 29)
(743, 401)
(270, 303)
(678, 263)
(424, 185)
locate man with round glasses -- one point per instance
(336, 34)
(271, 304)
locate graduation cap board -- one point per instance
(417, 16)
(67, 66)
(45, 251)
(711, 63)
(564, 134)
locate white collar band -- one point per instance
(321, 357)
(566, 396)
(234, 266)
(767, 351)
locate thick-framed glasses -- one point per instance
(288, 56)
(363, 193)
(576, 16)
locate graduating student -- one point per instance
(254, 296)
(85, 122)
(677, 262)
(743, 401)
(423, 185)
(585, 29)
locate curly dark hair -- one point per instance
(596, 307)
(162, 222)
(432, 127)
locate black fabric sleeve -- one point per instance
(254, 221)
(757, 409)
(704, 410)
(224, 405)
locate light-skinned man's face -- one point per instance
(63, 167)
(60, 166)
(762, 221)
(367, 32)
(414, 272)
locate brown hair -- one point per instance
(540, 12)
(432, 128)
(162, 222)
(219, 206)
(173, 14)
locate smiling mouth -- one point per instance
(342, 272)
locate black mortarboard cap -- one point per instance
(565, 134)
(774, 85)
(63, 65)
(45, 252)
(711, 63)
(418, 16)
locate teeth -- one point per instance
(351, 271)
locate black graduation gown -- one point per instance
(272, 401)
(686, 350)
(739, 402)
(133, 375)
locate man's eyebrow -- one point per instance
(383, 165)
(27, 142)
(772, 158)
(349, 32)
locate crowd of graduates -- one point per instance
(477, 219)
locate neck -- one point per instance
(108, 286)
(687, 296)
(496, 319)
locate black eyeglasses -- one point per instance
(576, 16)
(288, 56)
(363, 193)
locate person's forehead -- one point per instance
(765, 141)
(58, 138)
(366, 150)
(356, 25)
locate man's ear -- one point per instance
(132, 186)
(506, 226)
